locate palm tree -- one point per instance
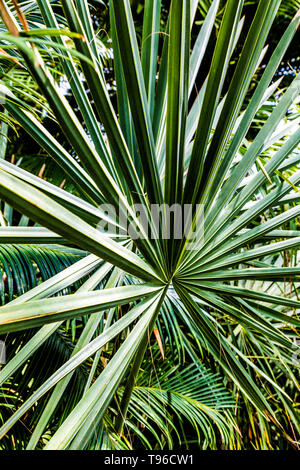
(159, 150)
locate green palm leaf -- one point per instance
(228, 153)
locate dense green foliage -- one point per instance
(122, 342)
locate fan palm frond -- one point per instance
(159, 147)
